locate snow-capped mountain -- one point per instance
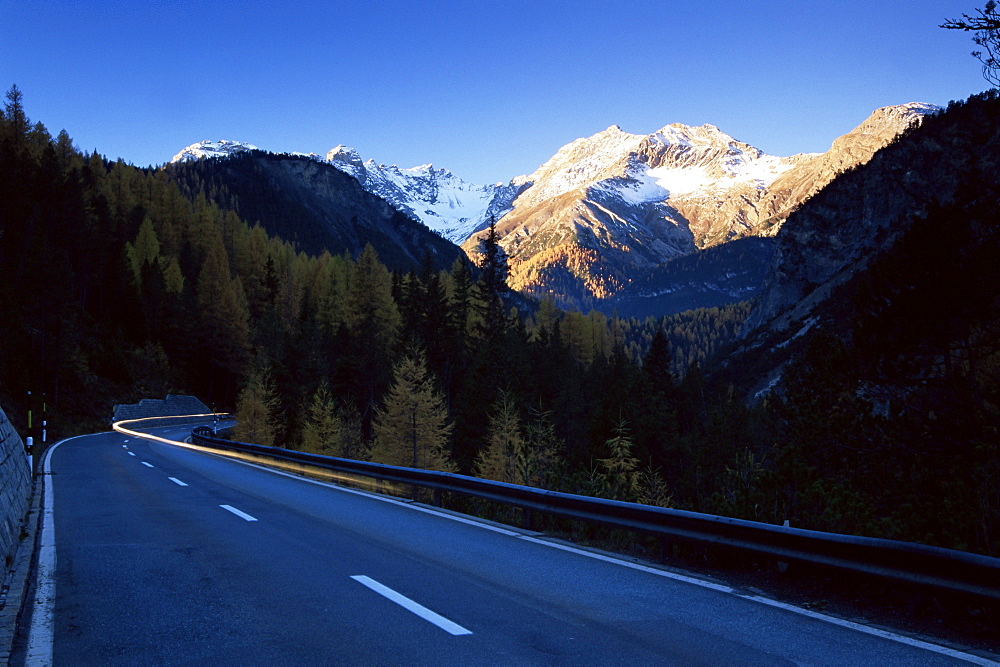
(306, 201)
(445, 203)
(606, 208)
(209, 149)
(452, 207)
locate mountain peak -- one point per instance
(896, 118)
(212, 149)
(343, 153)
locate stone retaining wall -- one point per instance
(15, 490)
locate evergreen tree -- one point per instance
(16, 125)
(145, 251)
(323, 431)
(653, 489)
(412, 428)
(256, 410)
(223, 320)
(373, 322)
(492, 285)
(985, 24)
(539, 462)
(499, 459)
(618, 476)
(461, 298)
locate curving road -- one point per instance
(158, 554)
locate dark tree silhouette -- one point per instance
(985, 23)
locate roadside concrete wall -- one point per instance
(15, 490)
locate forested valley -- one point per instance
(119, 286)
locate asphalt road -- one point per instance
(165, 555)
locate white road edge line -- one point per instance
(242, 515)
(40, 634)
(885, 634)
(423, 612)
(148, 465)
(177, 481)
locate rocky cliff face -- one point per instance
(609, 208)
(862, 212)
(825, 249)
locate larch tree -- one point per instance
(540, 462)
(498, 460)
(257, 410)
(145, 251)
(518, 455)
(323, 431)
(224, 314)
(618, 476)
(373, 321)
(411, 428)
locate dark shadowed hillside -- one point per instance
(312, 205)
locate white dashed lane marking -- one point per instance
(242, 515)
(423, 612)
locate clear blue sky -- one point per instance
(487, 89)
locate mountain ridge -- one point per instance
(606, 210)
(314, 205)
(639, 201)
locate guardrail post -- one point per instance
(782, 565)
(437, 498)
(526, 518)
(666, 548)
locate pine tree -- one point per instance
(373, 321)
(539, 461)
(985, 24)
(653, 489)
(256, 410)
(461, 297)
(323, 431)
(412, 428)
(618, 476)
(145, 251)
(492, 285)
(499, 459)
(223, 318)
(16, 125)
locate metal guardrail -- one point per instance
(904, 561)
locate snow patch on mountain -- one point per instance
(643, 184)
(447, 204)
(579, 164)
(212, 149)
